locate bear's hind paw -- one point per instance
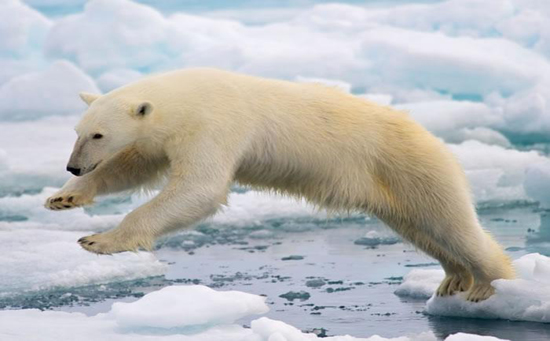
(453, 284)
(480, 292)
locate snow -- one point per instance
(22, 30)
(526, 298)
(193, 313)
(420, 283)
(31, 260)
(458, 121)
(537, 182)
(35, 153)
(496, 174)
(187, 306)
(470, 337)
(332, 83)
(457, 65)
(475, 73)
(52, 90)
(136, 35)
(116, 78)
(253, 207)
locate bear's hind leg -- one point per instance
(480, 254)
(457, 277)
(496, 266)
(470, 257)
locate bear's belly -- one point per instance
(337, 188)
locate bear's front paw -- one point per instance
(66, 200)
(110, 242)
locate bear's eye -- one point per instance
(97, 136)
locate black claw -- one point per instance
(58, 199)
(91, 243)
(82, 240)
(70, 199)
(67, 206)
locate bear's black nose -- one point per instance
(74, 171)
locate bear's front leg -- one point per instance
(77, 191)
(131, 235)
(191, 194)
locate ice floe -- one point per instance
(193, 313)
(497, 64)
(526, 298)
(45, 92)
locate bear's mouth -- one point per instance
(91, 169)
(94, 167)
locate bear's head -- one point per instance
(110, 124)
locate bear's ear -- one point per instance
(88, 97)
(143, 109)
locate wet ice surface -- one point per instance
(313, 273)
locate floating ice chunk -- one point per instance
(116, 78)
(187, 306)
(444, 118)
(203, 41)
(31, 207)
(262, 234)
(375, 238)
(47, 142)
(453, 17)
(187, 313)
(525, 111)
(495, 173)
(254, 207)
(343, 86)
(59, 325)
(123, 34)
(533, 267)
(537, 182)
(420, 283)
(50, 92)
(481, 134)
(524, 22)
(272, 330)
(470, 337)
(22, 29)
(524, 299)
(31, 260)
(382, 99)
(3, 160)
(52, 3)
(416, 59)
(10, 68)
(33, 236)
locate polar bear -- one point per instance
(203, 129)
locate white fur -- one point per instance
(205, 129)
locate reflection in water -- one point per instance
(540, 241)
(508, 330)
